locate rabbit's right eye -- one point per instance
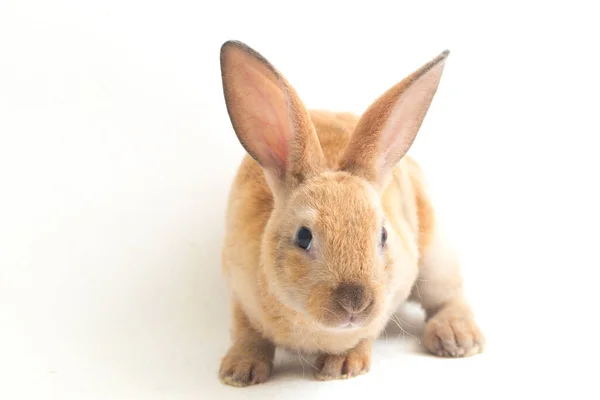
(304, 238)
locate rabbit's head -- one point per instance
(327, 251)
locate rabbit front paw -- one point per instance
(246, 365)
(343, 366)
(452, 334)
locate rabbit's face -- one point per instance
(327, 251)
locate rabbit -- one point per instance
(329, 227)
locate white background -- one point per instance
(116, 155)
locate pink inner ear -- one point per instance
(391, 136)
(264, 114)
(400, 128)
(406, 117)
(276, 155)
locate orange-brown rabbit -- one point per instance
(329, 226)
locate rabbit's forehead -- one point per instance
(338, 198)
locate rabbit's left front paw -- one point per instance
(452, 334)
(353, 363)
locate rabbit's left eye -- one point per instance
(383, 236)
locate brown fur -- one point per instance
(343, 176)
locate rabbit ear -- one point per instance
(268, 117)
(388, 128)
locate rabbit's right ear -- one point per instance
(268, 117)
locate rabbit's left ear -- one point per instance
(388, 128)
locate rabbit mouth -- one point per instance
(347, 327)
(353, 322)
(350, 325)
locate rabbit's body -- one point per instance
(329, 226)
(249, 211)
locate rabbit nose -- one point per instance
(353, 297)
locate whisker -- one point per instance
(315, 368)
(317, 345)
(418, 292)
(327, 309)
(297, 331)
(403, 332)
(300, 358)
(404, 322)
(386, 335)
(396, 322)
(401, 328)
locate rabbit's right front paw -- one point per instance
(246, 365)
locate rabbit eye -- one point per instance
(304, 238)
(383, 236)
